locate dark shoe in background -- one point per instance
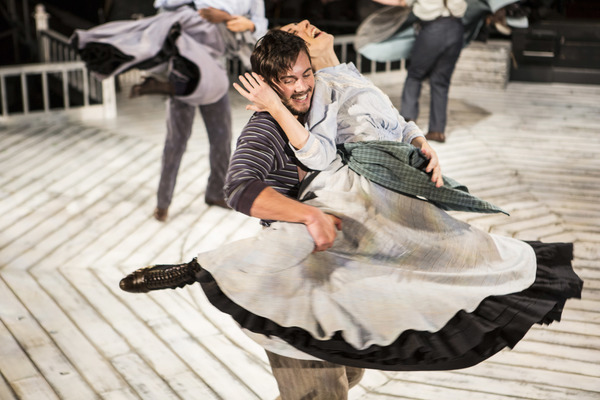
(161, 214)
(436, 136)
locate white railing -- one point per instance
(70, 86)
(62, 70)
(61, 83)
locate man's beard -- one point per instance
(297, 113)
(300, 114)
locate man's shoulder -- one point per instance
(263, 127)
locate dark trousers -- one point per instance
(312, 380)
(180, 118)
(434, 56)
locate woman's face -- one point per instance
(318, 41)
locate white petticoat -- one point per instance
(399, 263)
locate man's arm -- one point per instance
(254, 21)
(235, 23)
(214, 15)
(260, 152)
(270, 204)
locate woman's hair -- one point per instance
(276, 53)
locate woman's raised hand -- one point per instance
(256, 90)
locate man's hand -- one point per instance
(323, 230)
(215, 15)
(240, 24)
(262, 96)
(270, 204)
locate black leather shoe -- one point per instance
(157, 277)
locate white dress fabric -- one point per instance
(405, 286)
(399, 263)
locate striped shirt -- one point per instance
(262, 158)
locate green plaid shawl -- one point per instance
(401, 167)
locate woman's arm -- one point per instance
(264, 98)
(401, 3)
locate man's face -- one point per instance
(295, 86)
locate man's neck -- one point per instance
(301, 118)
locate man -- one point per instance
(190, 45)
(295, 91)
(238, 16)
(263, 182)
(433, 56)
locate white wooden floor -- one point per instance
(75, 216)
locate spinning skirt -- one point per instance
(404, 287)
(148, 43)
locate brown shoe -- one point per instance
(436, 136)
(157, 277)
(152, 86)
(161, 214)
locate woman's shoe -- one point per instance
(157, 277)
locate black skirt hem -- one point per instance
(465, 340)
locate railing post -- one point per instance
(109, 98)
(41, 24)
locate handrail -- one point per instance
(59, 57)
(64, 73)
(62, 62)
(41, 68)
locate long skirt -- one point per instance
(405, 285)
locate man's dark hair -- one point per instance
(275, 53)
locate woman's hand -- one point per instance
(262, 96)
(434, 164)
